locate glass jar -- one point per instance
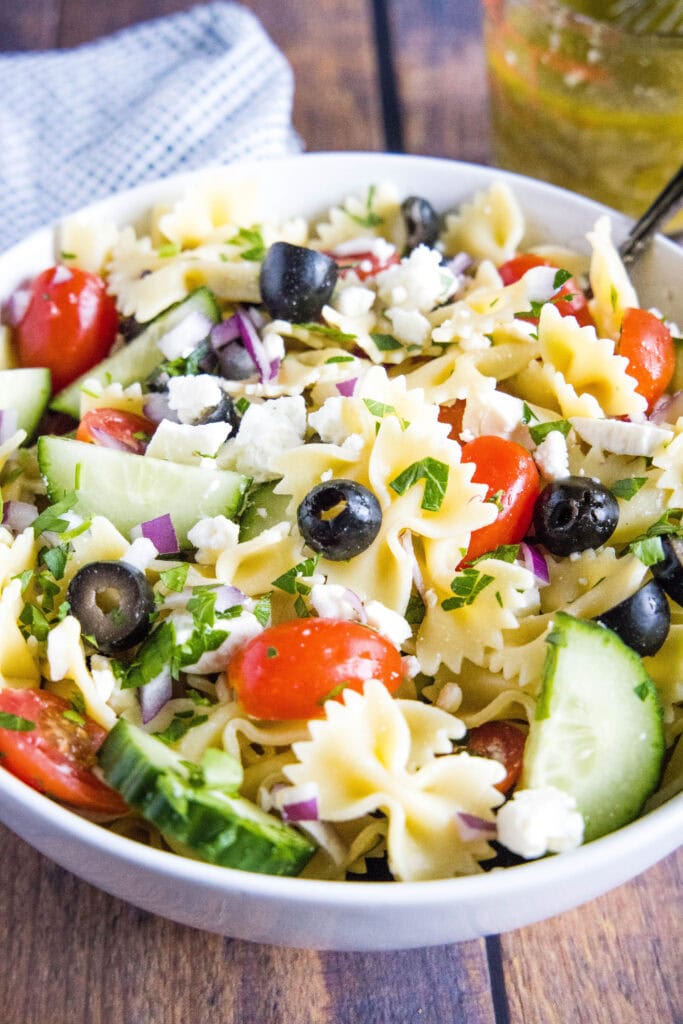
(584, 102)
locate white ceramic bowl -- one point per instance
(338, 915)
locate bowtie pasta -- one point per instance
(297, 539)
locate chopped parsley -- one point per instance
(369, 219)
(503, 553)
(435, 475)
(648, 549)
(466, 586)
(540, 431)
(381, 409)
(325, 331)
(386, 342)
(291, 582)
(528, 414)
(15, 722)
(626, 489)
(251, 239)
(180, 725)
(174, 579)
(415, 612)
(168, 251)
(50, 520)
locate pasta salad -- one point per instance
(349, 548)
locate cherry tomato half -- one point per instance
(290, 670)
(366, 264)
(647, 344)
(513, 483)
(499, 741)
(453, 415)
(70, 324)
(57, 755)
(115, 428)
(570, 299)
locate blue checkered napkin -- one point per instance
(203, 87)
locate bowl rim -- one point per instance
(652, 830)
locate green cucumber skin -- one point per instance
(619, 791)
(28, 391)
(262, 497)
(222, 829)
(136, 360)
(131, 489)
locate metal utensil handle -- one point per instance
(664, 206)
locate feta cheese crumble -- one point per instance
(540, 821)
(267, 431)
(552, 457)
(191, 397)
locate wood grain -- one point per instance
(617, 960)
(336, 104)
(441, 78)
(74, 955)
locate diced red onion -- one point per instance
(459, 263)
(225, 331)
(62, 274)
(156, 408)
(472, 828)
(256, 316)
(9, 420)
(347, 387)
(16, 306)
(303, 810)
(668, 409)
(254, 346)
(155, 694)
(534, 562)
(17, 515)
(406, 541)
(162, 534)
(185, 336)
(358, 606)
(106, 440)
(228, 597)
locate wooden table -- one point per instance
(407, 74)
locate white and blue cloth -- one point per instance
(204, 87)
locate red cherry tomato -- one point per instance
(513, 482)
(647, 344)
(57, 755)
(499, 741)
(366, 264)
(570, 300)
(70, 324)
(452, 415)
(290, 670)
(114, 428)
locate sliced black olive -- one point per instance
(224, 412)
(339, 519)
(235, 363)
(296, 282)
(421, 222)
(669, 572)
(574, 514)
(113, 602)
(642, 621)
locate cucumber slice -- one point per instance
(598, 727)
(136, 360)
(215, 825)
(262, 510)
(132, 489)
(27, 391)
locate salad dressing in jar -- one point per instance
(589, 95)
